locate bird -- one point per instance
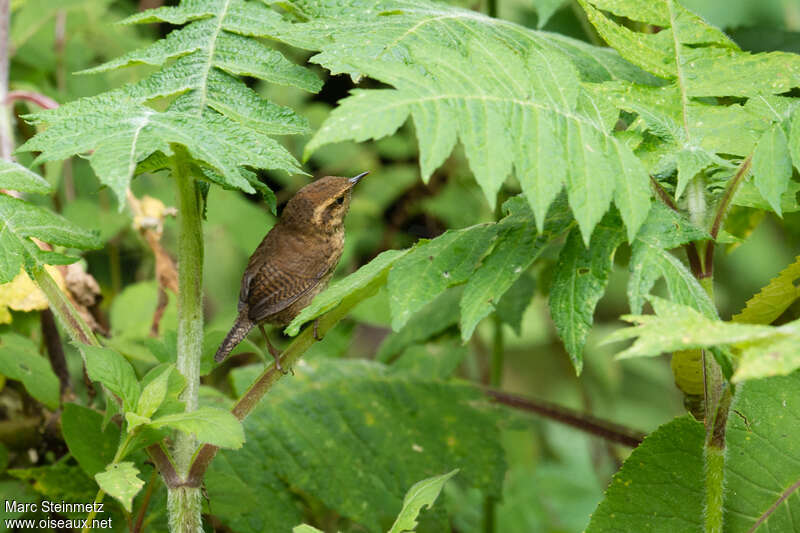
(294, 262)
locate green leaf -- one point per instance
(772, 300)
(765, 350)
(433, 319)
(515, 301)
(215, 115)
(305, 528)
(518, 245)
(249, 503)
(762, 460)
(580, 280)
(120, 481)
(391, 430)
(20, 222)
(91, 445)
(59, 481)
(111, 369)
(373, 273)
(20, 361)
(660, 486)
(16, 177)
(772, 166)
(545, 10)
(650, 260)
(422, 494)
(522, 109)
(209, 424)
(126, 134)
(432, 266)
(153, 393)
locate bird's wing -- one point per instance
(273, 280)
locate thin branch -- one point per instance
(724, 205)
(164, 464)
(582, 421)
(137, 526)
(249, 400)
(45, 102)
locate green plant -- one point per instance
(593, 165)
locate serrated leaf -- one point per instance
(224, 121)
(523, 109)
(517, 246)
(762, 459)
(365, 276)
(57, 482)
(154, 393)
(429, 426)
(432, 266)
(20, 222)
(650, 260)
(773, 299)
(209, 424)
(432, 319)
(120, 481)
(580, 280)
(91, 445)
(660, 486)
(18, 178)
(126, 135)
(20, 360)
(772, 166)
(422, 494)
(111, 369)
(765, 350)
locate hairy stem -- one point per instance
(184, 503)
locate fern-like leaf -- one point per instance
(511, 95)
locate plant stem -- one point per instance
(584, 422)
(249, 400)
(77, 329)
(184, 503)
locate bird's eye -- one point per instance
(340, 200)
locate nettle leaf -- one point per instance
(16, 177)
(216, 116)
(512, 96)
(660, 486)
(20, 222)
(762, 451)
(111, 369)
(20, 360)
(432, 266)
(209, 424)
(772, 300)
(422, 494)
(373, 273)
(772, 166)
(580, 280)
(391, 430)
(518, 245)
(91, 445)
(650, 260)
(764, 350)
(700, 61)
(120, 481)
(122, 136)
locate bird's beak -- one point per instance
(356, 179)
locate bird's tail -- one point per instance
(238, 332)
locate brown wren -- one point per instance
(294, 262)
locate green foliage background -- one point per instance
(486, 247)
